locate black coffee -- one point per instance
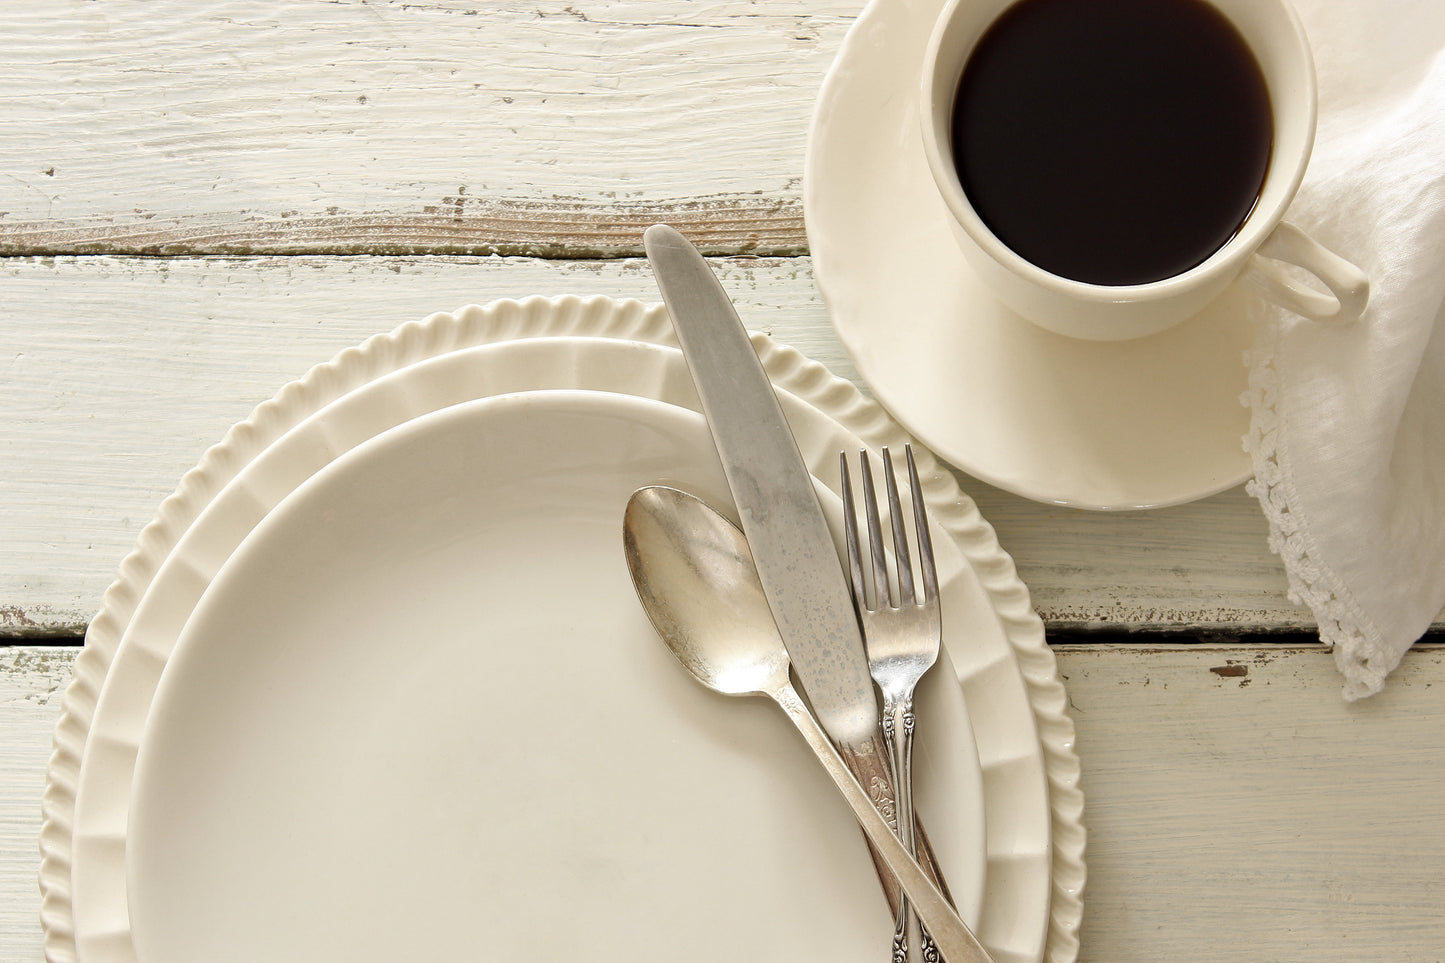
(1112, 141)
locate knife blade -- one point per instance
(786, 529)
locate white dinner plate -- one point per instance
(420, 714)
(1030, 771)
(1106, 425)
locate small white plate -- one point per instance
(420, 714)
(1136, 424)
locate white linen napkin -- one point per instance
(1347, 425)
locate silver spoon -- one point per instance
(695, 577)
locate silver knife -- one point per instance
(791, 544)
(787, 532)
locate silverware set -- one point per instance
(741, 608)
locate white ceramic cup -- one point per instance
(1256, 256)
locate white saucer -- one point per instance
(1136, 424)
(420, 714)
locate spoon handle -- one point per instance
(954, 939)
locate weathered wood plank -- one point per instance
(346, 127)
(545, 129)
(121, 372)
(1238, 808)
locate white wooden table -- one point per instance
(199, 201)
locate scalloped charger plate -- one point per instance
(1034, 881)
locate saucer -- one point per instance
(1145, 423)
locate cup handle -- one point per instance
(1287, 244)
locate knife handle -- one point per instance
(868, 761)
(953, 937)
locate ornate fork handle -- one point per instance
(898, 738)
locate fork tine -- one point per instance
(882, 591)
(900, 534)
(850, 534)
(920, 525)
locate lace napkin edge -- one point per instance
(1358, 646)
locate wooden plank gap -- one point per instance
(556, 229)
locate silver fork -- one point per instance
(902, 634)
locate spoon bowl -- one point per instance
(695, 576)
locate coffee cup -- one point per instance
(1094, 228)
